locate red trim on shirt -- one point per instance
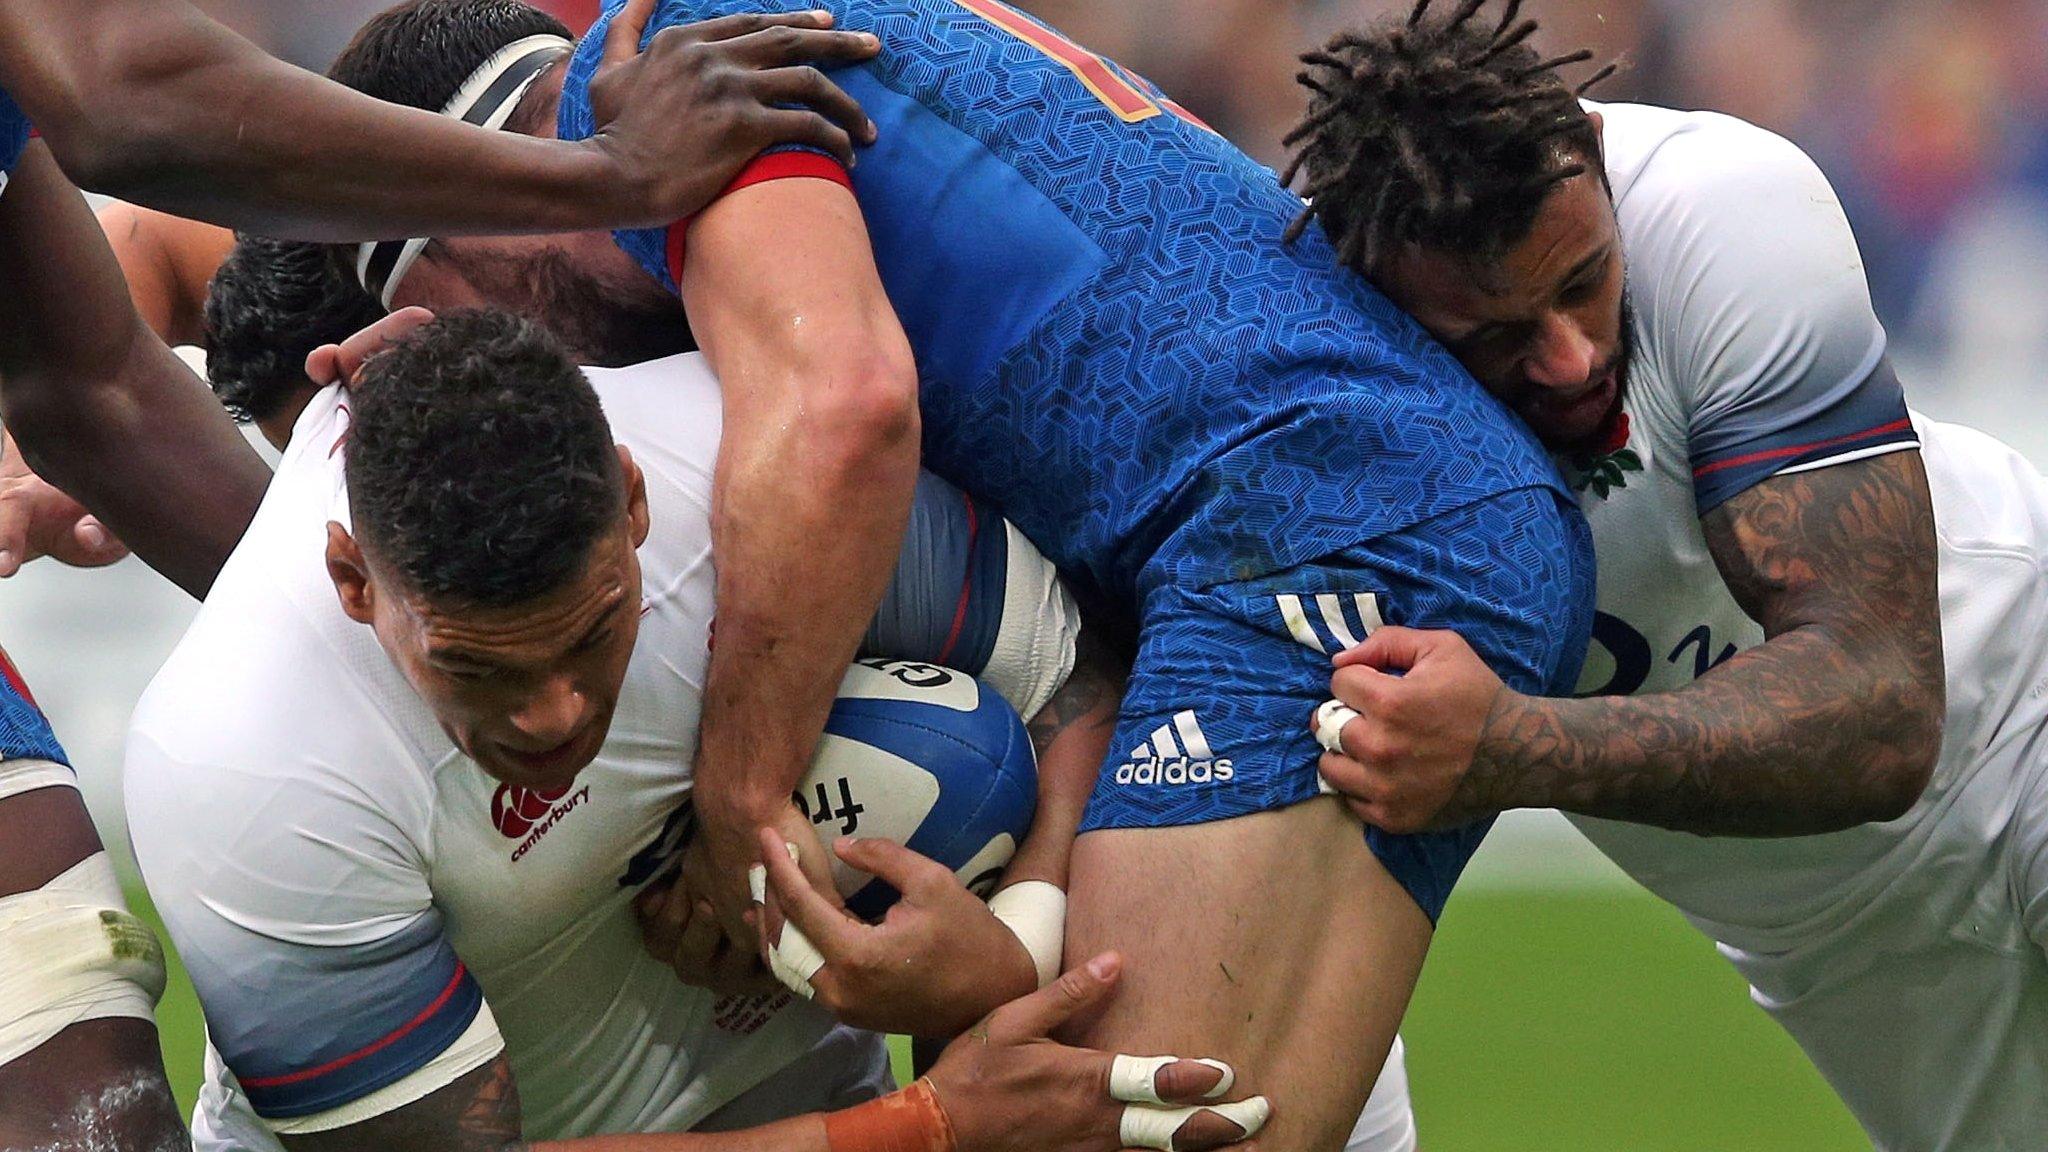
(966, 584)
(425, 1015)
(20, 686)
(762, 169)
(1801, 449)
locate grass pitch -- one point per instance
(1574, 1021)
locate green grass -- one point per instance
(1577, 1021)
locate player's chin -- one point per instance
(549, 769)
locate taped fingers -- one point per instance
(1137, 1079)
(1193, 1128)
(1331, 718)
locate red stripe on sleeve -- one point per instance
(1801, 449)
(761, 170)
(966, 585)
(425, 1014)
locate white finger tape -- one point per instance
(1134, 1079)
(793, 959)
(1036, 911)
(1148, 1127)
(1330, 721)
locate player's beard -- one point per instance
(604, 323)
(1622, 365)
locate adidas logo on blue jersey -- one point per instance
(1176, 753)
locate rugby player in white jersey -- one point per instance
(1675, 302)
(129, 95)
(400, 882)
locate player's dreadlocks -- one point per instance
(1444, 131)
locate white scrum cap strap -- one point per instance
(70, 951)
(486, 100)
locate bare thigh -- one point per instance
(1275, 941)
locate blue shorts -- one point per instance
(1215, 722)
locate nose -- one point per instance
(549, 717)
(1562, 355)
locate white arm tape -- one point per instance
(1147, 1127)
(793, 959)
(28, 775)
(70, 951)
(1037, 912)
(1134, 1079)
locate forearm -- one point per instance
(806, 530)
(99, 406)
(1794, 737)
(167, 108)
(1071, 736)
(798, 1134)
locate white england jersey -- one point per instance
(1897, 954)
(367, 915)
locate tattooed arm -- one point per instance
(1834, 721)
(1071, 735)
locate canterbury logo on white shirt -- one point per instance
(1330, 622)
(1176, 753)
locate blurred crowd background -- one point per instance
(1931, 117)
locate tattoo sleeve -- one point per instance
(1834, 721)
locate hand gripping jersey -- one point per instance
(367, 915)
(1897, 954)
(1206, 428)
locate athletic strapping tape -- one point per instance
(486, 100)
(1331, 718)
(1036, 911)
(1149, 1122)
(69, 952)
(793, 959)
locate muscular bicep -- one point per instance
(477, 1113)
(780, 284)
(1849, 548)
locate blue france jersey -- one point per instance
(1113, 342)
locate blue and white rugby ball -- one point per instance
(926, 757)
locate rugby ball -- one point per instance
(927, 757)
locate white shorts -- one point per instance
(1388, 1122)
(1927, 1009)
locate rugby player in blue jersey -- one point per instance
(1077, 298)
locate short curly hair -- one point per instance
(270, 303)
(480, 467)
(1447, 131)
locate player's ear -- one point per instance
(350, 573)
(1599, 133)
(636, 496)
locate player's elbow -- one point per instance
(866, 418)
